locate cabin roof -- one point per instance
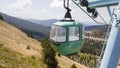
(68, 24)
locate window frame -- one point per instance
(56, 31)
(69, 33)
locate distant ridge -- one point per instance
(27, 26)
(40, 28)
(96, 27)
(47, 23)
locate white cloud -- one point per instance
(57, 4)
(20, 4)
(20, 8)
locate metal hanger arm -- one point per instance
(103, 3)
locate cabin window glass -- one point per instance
(73, 33)
(58, 34)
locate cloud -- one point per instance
(20, 8)
(20, 4)
(57, 4)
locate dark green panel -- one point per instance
(68, 47)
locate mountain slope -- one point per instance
(27, 26)
(17, 40)
(15, 52)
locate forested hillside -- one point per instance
(90, 52)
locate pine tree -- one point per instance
(48, 54)
(73, 66)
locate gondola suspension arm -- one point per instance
(67, 14)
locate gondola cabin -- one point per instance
(66, 37)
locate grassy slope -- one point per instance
(12, 59)
(64, 62)
(15, 54)
(13, 49)
(18, 41)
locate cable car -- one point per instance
(66, 37)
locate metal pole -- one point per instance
(112, 51)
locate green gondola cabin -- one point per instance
(66, 37)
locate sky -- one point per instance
(46, 9)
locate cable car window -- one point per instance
(58, 34)
(73, 33)
(52, 32)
